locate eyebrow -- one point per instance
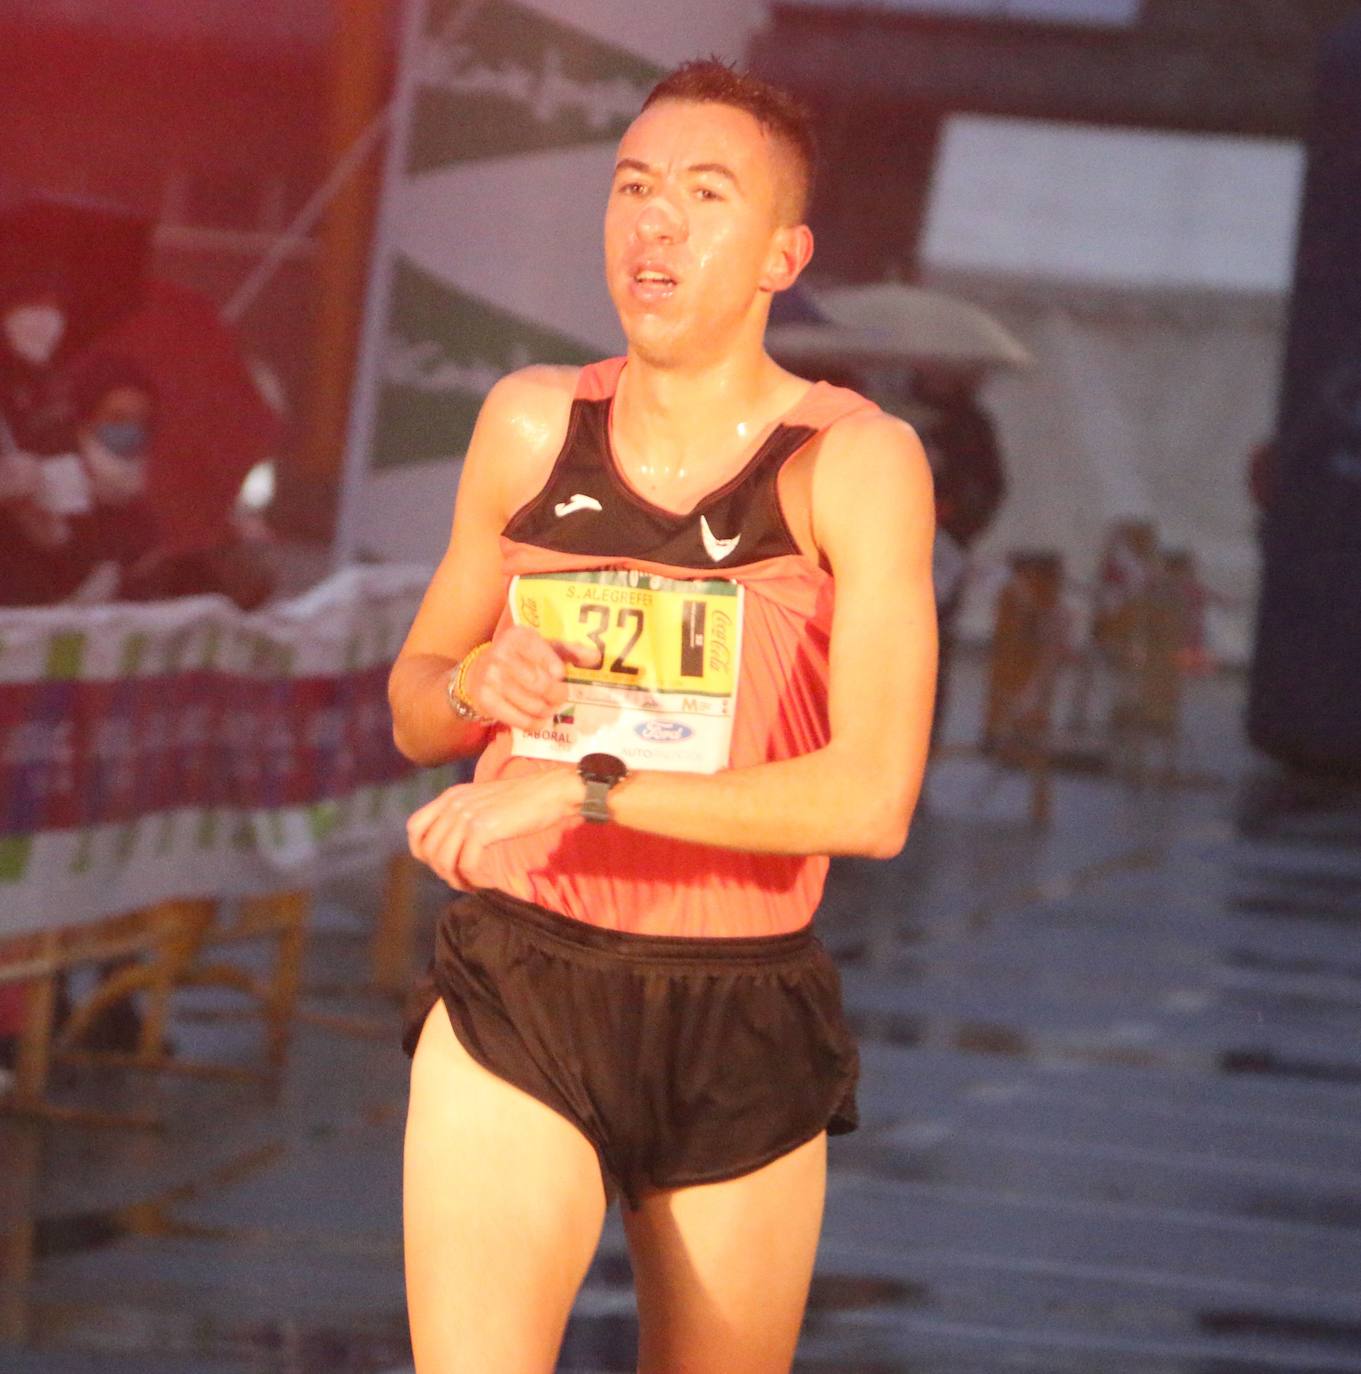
(719, 169)
(633, 164)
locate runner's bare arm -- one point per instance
(873, 519)
(516, 439)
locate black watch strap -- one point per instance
(600, 772)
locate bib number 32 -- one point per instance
(663, 691)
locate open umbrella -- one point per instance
(890, 325)
(801, 334)
(836, 345)
(924, 325)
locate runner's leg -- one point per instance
(503, 1206)
(722, 1269)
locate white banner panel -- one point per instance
(488, 253)
(1118, 207)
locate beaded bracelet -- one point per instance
(455, 688)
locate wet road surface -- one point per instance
(1111, 1122)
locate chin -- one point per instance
(655, 347)
(653, 353)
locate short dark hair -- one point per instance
(785, 118)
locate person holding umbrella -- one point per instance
(34, 424)
(970, 484)
(70, 269)
(32, 325)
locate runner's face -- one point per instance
(693, 243)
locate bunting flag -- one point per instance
(444, 350)
(488, 254)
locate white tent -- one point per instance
(1148, 275)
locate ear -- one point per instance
(790, 249)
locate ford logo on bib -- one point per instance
(662, 731)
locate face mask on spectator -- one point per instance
(34, 331)
(126, 438)
(114, 477)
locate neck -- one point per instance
(661, 398)
(683, 416)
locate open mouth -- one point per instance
(653, 281)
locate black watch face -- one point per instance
(602, 768)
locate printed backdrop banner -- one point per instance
(181, 749)
(488, 252)
(1305, 699)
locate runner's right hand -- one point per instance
(520, 680)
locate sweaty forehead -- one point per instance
(683, 132)
(675, 133)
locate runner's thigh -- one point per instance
(723, 1269)
(502, 1210)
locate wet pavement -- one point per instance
(1111, 1102)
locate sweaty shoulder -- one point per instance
(520, 430)
(866, 445)
(868, 465)
(531, 406)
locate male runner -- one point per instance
(713, 579)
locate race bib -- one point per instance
(665, 689)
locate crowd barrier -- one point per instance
(166, 763)
(184, 749)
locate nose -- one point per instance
(661, 221)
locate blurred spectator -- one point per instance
(970, 480)
(32, 322)
(961, 443)
(1129, 561)
(1031, 641)
(32, 325)
(80, 531)
(1191, 600)
(213, 427)
(114, 405)
(1126, 569)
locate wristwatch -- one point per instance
(599, 772)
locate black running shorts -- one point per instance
(681, 1060)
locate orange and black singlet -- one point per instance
(729, 623)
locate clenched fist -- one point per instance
(520, 680)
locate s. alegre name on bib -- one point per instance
(663, 694)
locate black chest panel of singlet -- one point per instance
(585, 507)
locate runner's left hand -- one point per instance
(451, 834)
